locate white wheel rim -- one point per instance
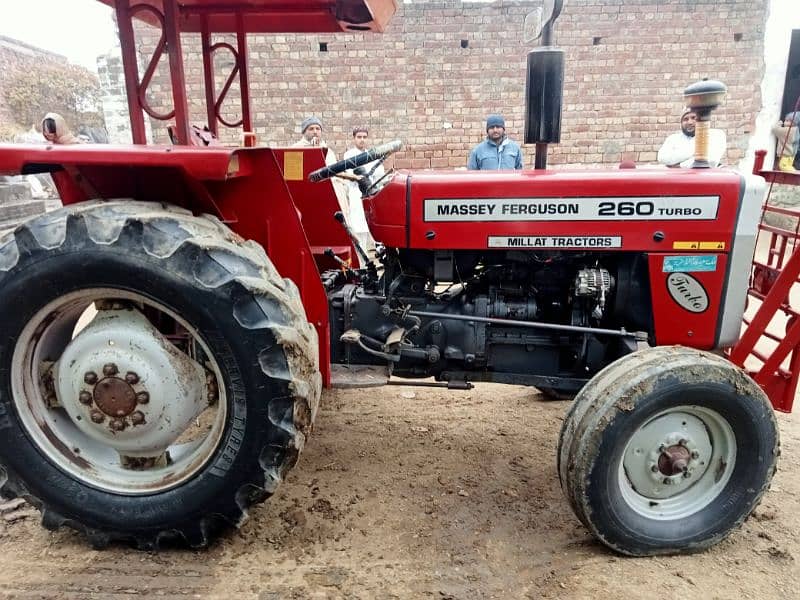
(677, 463)
(53, 431)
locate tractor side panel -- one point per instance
(316, 204)
(687, 294)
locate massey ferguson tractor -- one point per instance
(165, 335)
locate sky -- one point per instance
(81, 30)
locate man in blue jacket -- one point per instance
(496, 151)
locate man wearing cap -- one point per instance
(678, 149)
(497, 151)
(311, 130)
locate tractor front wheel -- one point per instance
(157, 376)
(667, 451)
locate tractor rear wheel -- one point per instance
(667, 451)
(157, 376)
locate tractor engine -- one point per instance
(505, 316)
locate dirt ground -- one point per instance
(412, 492)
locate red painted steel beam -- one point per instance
(208, 77)
(173, 33)
(131, 70)
(772, 302)
(244, 80)
(271, 16)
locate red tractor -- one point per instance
(167, 333)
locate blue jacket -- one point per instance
(488, 156)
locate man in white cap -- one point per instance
(497, 151)
(311, 130)
(678, 149)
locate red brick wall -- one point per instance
(627, 65)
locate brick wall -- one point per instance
(627, 65)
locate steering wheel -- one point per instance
(376, 153)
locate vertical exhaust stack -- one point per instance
(703, 97)
(543, 99)
(544, 87)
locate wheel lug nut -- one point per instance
(137, 418)
(90, 377)
(117, 424)
(131, 377)
(682, 442)
(687, 474)
(85, 397)
(661, 448)
(97, 416)
(695, 454)
(666, 481)
(110, 369)
(654, 468)
(143, 397)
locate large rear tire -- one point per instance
(667, 451)
(181, 402)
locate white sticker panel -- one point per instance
(555, 241)
(644, 208)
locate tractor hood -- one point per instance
(570, 210)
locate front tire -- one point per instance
(193, 316)
(667, 451)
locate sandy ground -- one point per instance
(411, 492)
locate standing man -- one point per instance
(678, 149)
(356, 218)
(497, 151)
(311, 130)
(788, 134)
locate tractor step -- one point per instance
(357, 376)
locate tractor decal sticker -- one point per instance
(698, 245)
(644, 208)
(689, 264)
(687, 292)
(554, 241)
(293, 166)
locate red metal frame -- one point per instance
(223, 16)
(776, 356)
